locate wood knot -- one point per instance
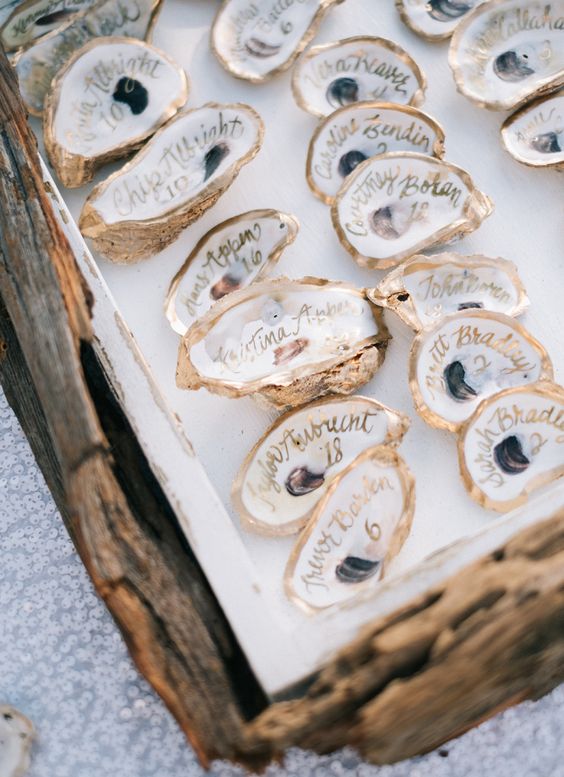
(3, 350)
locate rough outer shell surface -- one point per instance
(534, 135)
(123, 90)
(356, 132)
(292, 465)
(358, 526)
(395, 205)
(425, 289)
(178, 175)
(467, 357)
(255, 41)
(16, 736)
(513, 445)
(507, 51)
(353, 70)
(289, 341)
(39, 63)
(229, 257)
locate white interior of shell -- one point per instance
(344, 546)
(295, 463)
(16, 734)
(535, 135)
(30, 21)
(179, 163)
(115, 92)
(436, 18)
(392, 206)
(274, 336)
(468, 357)
(505, 52)
(228, 258)
(440, 285)
(514, 443)
(254, 39)
(354, 133)
(357, 69)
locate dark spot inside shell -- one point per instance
(512, 66)
(455, 378)
(355, 570)
(7, 716)
(402, 296)
(447, 10)
(547, 143)
(301, 481)
(382, 223)
(349, 161)
(469, 305)
(132, 93)
(285, 353)
(225, 285)
(509, 456)
(261, 49)
(342, 91)
(213, 158)
(54, 18)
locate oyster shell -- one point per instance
(507, 51)
(180, 173)
(292, 341)
(121, 91)
(394, 205)
(435, 19)
(425, 289)
(293, 464)
(467, 357)
(229, 257)
(16, 736)
(513, 444)
(32, 19)
(356, 69)
(357, 527)
(256, 40)
(39, 63)
(7, 8)
(356, 132)
(535, 134)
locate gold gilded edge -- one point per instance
(430, 416)
(417, 99)
(398, 425)
(387, 456)
(277, 250)
(438, 145)
(543, 388)
(530, 106)
(477, 207)
(410, 23)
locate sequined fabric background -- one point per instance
(63, 663)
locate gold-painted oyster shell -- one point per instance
(295, 461)
(356, 132)
(178, 175)
(395, 205)
(357, 69)
(229, 257)
(356, 529)
(31, 19)
(122, 91)
(534, 135)
(289, 341)
(435, 19)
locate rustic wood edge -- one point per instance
(487, 638)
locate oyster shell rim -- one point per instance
(545, 87)
(410, 317)
(430, 416)
(477, 207)
(410, 110)
(398, 426)
(387, 455)
(433, 38)
(324, 7)
(545, 388)
(156, 7)
(90, 164)
(16, 11)
(528, 106)
(293, 228)
(418, 97)
(98, 226)
(239, 389)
